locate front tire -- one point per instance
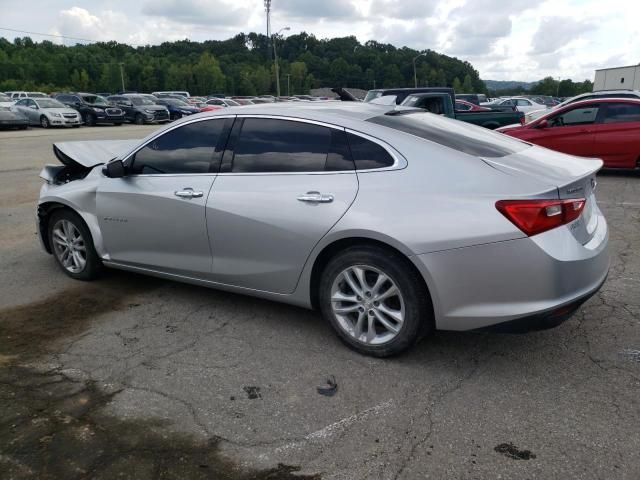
(89, 120)
(44, 122)
(375, 300)
(139, 119)
(72, 245)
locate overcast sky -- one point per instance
(503, 39)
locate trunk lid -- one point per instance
(91, 153)
(573, 177)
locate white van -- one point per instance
(18, 95)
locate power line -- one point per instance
(64, 36)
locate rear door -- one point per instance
(571, 131)
(283, 184)
(617, 135)
(154, 217)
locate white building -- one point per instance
(618, 78)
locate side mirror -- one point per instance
(114, 169)
(542, 124)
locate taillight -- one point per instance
(537, 216)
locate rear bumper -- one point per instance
(534, 279)
(542, 321)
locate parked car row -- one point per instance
(72, 109)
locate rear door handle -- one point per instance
(315, 197)
(188, 192)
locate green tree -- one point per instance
(207, 75)
(467, 86)
(298, 71)
(457, 86)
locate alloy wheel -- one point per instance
(44, 122)
(69, 246)
(367, 304)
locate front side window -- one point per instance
(621, 113)
(271, 145)
(575, 116)
(462, 106)
(187, 149)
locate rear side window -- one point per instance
(460, 136)
(271, 145)
(187, 149)
(367, 154)
(621, 112)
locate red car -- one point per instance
(608, 128)
(464, 106)
(207, 108)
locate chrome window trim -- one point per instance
(399, 162)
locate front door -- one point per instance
(155, 216)
(283, 185)
(571, 131)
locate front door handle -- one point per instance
(188, 192)
(315, 197)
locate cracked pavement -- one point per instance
(146, 378)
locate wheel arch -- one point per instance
(331, 249)
(46, 209)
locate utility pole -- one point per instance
(122, 76)
(275, 56)
(288, 82)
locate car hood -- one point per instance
(155, 108)
(60, 110)
(91, 153)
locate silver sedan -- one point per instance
(47, 112)
(392, 222)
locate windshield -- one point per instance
(371, 94)
(176, 103)
(460, 136)
(141, 101)
(95, 100)
(49, 103)
(232, 103)
(4, 98)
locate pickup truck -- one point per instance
(440, 103)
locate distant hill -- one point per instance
(506, 84)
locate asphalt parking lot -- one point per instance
(133, 377)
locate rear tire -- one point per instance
(356, 296)
(72, 245)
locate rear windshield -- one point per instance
(470, 139)
(371, 94)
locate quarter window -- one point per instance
(187, 149)
(367, 154)
(271, 145)
(622, 112)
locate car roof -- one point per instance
(321, 111)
